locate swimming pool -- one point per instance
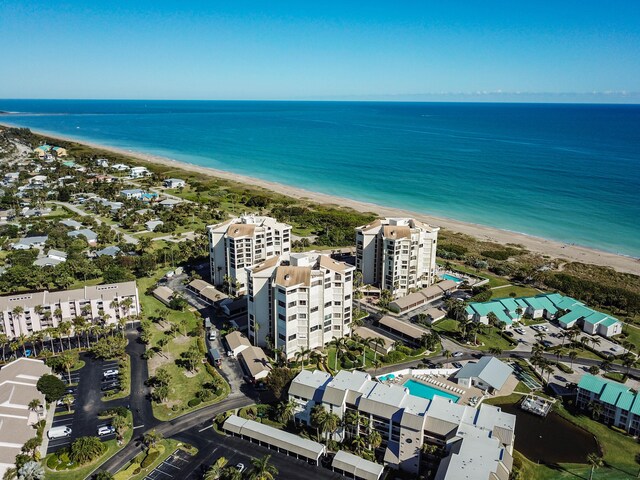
(427, 391)
(446, 276)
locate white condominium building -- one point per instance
(301, 304)
(244, 242)
(26, 313)
(474, 444)
(397, 254)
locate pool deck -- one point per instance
(441, 382)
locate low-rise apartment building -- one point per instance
(477, 443)
(397, 254)
(244, 242)
(301, 304)
(619, 406)
(26, 313)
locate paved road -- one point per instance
(193, 420)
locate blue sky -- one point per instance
(321, 50)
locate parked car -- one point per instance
(58, 432)
(110, 378)
(109, 373)
(457, 365)
(458, 354)
(106, 430)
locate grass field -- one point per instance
(184, 385)
(490, 336)
(518, 291)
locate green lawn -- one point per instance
(633, 335)
(184, 385)
(490, 336)
(619, 452)
(166, 447)
(518, 291)
(85, 471)
(494, 281)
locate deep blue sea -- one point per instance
(564, 172)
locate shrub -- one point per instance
(393, 357)
(137, 470)
(85, 449)
(452, 248)
(150, 458)
(404, 349)
(346, 363)
(194, 402)
(115, 411)
(564, 368)
(201, 346)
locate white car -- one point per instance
(111, 373)
(458, 354)
(106, 430)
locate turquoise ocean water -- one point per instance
(565, 172)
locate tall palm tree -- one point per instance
(4, 339)
(22, 341)
(572, 355)
(595, 461)
(340, 345)
(375, 439)
(446, 354)
(65, 330)
(374, 343)
(262, 469)
(215, 471)
(67, 360)
(285, 410)
(359, 444)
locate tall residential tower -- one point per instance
(244, 242)
(301, 304)
(397, 254)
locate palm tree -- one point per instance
(572, 355)
(375, 439)
(446, 354)
(629, 360)
(68, 401)
(595, 461)
(376, 365)
(121, 425)
(340, 345)
(22, 340)
(358, 444)
(596, 409)
(495, 351)
(4, 339)
(35, 405)
(374, 343)
(262, 469)
(151, 439)
(318, 414)
(67, 361)
(65, 330)
(285, 410)
(215, 471)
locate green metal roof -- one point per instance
(547, 305)
(509, 303)
(566, 303)
(592, 383)
(612, 392)
(578, 312)
(625, 401)
(534, 303)
(635, 409)
(595, 317)
(607, 322)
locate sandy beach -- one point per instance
(534, 244)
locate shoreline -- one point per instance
(552, 248)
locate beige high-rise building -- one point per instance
(397, 254)
(300, 304)
(244, 242)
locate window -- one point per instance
(282, 304)
(314, 309)
(313, 329)
(292, 317)
(292, 337)
(282, 337)
(337, 302)
(282, 317)
(302, 302)
(291, 304)
(328, 304)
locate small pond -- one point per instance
(552, 439)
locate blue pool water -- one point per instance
(446, 276)
(427, 391)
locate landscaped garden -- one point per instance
(180, 375)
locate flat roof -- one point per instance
(274, 437)
(357, 466)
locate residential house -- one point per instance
(487, 374)
(139, 172)
(174, 183)
(91, 236)
(26, 243)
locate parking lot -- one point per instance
(172, 467)
(86, 387)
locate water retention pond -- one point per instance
(552, 439)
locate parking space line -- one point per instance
(164, 473)
(169, 465)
